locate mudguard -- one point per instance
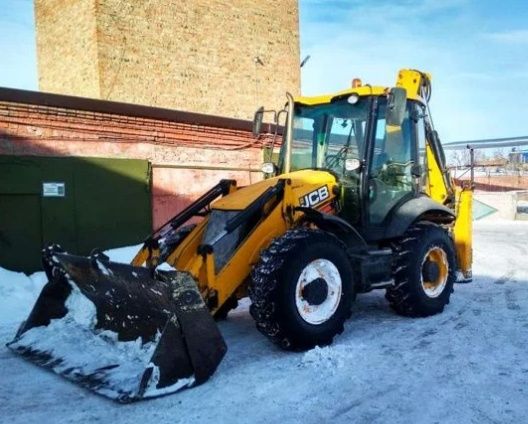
(412, 210)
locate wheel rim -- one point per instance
(318, 291)
(435, 271)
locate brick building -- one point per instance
(209, 56)
(145, 107)
(124, 169)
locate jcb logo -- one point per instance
(314, 197)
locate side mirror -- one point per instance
(257, 121)
(268, 168)
(396, 102)
(417, 170)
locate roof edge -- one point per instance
(15, 95)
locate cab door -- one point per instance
(390, 176)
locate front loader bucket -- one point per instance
(119, 330)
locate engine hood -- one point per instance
(303, 183)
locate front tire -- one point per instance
(301, 289)
(425, 272)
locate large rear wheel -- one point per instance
(302, 289)
(425, 272)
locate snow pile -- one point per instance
(329, 358)
(80, 352)
(74, 347)
(77, 349)
(152, 391)
(18, 292)
(166, 267)
(123, 254)
(81, 309)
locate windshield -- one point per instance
(324, 136)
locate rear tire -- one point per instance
(425, 272)
(302, 289)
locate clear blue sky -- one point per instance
(477, 51)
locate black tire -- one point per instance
(407, 296)
(272, 289)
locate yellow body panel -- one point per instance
(241, 199)
(411, 80)
(236, 270)
(407, 78)
(435, 186)
(225, 282)
(463, 230)
(304, 179)
(327, 98)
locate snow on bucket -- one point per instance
(121, 331)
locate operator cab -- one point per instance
(369, 142)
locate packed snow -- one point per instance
(76, 348)
(465, 365)
(19, 292)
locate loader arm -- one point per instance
(149, 254)
(262, 221)
(221, 250)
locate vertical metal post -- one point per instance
(289, 133)
(472, 164)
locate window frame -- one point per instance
(376, 230)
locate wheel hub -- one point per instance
(435, 271)
(318, 291)
(430, 270)
(315, 292)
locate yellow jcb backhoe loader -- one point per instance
(360, 199)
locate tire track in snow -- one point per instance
(509, 294)
(359, 401)
(505, 277)
(511, 300)
(510, 275)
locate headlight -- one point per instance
(353, 99)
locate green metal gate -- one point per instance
(79, 202)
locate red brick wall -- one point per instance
(501, 183)
(175, 144)
(498, 183)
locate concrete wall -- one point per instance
(522, 206)
(194, 55)
(189, 152)
(505, 203)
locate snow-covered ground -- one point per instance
(468, 364)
